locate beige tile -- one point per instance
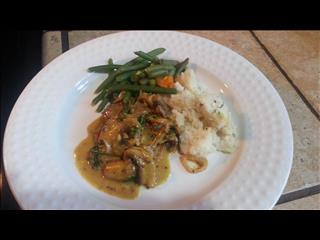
(51, 46)
(306, 128)
(307, 203)
(78, 37)
(298, 53)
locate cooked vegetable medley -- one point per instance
(128, 145)
(145, 73)
(150, 107)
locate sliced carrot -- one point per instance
(166, 82)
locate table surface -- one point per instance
(291, 61)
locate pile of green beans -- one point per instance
(139, 74)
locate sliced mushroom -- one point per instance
(138, 155)
(104, 158)
(146, 167)
(147, 175)
(119, 170)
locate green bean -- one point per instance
(159, 67)
(104, 68)
(106, 83)
(124, 76)
(134, 67)
(98, 98)
(154, 52)
(147, 56)
(137, 88)
(181, 67)
(143, 81)
(172, 72)
(133, 78)
(158, 73)
(127, 81)
(102, 105)
(127, 97)
(169, 62)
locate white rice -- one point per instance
(202, 118)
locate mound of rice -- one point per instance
(202, 119)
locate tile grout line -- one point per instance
(304, 99)
(64, 41)
(298, 194)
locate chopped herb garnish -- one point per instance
(126, 101)
(133, 131)
(221, 105)
(132, 179)
(94, 157)
(142, 120)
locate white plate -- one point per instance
(51, 116)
